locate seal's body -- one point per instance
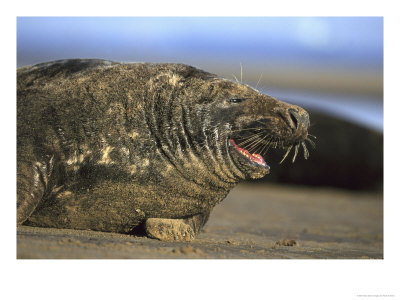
(109, 146)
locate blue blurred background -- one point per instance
(332, 66)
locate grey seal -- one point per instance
(112, 146)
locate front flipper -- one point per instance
(32, 181)
(175, 229)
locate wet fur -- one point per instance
(105, 146)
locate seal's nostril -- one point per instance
(294, 116)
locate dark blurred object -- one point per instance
(346, 156)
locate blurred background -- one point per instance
(332, 66)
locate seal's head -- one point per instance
(210, 125)
(248, 123)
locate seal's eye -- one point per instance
(236, 100)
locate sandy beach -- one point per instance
(255, 221)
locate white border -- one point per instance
(223, 279)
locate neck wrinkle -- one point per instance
(197, 151)
(190, 166)
(226, 160)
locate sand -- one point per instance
(255, 221)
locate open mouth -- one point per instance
(255, 158)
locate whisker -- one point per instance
(251, 135)
(311, 142)
(286, 154)
(241, 73)
(267, 143)
(258, 80)
(248, 140)
(261, 144)
(250, 128)
(306, 153)
(296, 150)
(254, 142)
(253, 147)
(235, 78)
(245, 143)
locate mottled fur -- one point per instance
(106, 146)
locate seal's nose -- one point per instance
(299, 117)
(295, 117)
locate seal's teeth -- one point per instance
(258, 156)
(255, 157)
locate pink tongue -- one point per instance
(253, 157)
